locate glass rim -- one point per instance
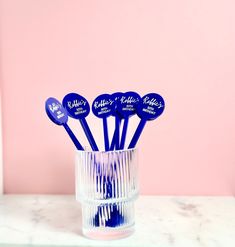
(103, 151)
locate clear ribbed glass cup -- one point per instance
(107, 186)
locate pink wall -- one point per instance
(182, 49)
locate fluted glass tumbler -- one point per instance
(107, 186)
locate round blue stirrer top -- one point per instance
(56, 111)
(103, 106)
(151, 106)
(76, 105)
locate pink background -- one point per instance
(183, 50)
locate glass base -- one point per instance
(108, 233)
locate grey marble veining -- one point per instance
(42, 220)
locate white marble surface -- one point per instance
(41, 220)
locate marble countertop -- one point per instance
(55, 220)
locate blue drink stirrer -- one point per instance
(58, 115)
(118, 118)
(150, 107)
(103, 106)
(126, 107)
(78, 108)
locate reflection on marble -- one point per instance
(42, 220)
